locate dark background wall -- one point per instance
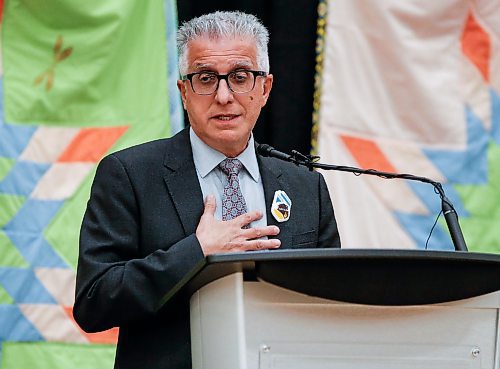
(286, 121)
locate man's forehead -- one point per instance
(234, 52)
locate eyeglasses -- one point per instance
(239, 81)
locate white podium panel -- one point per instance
(256, 325)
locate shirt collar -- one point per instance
(207, 158)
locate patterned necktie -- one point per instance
(233, 203)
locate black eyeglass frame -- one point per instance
(256, 73)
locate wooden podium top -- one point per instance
(363, 276)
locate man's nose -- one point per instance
(223, 95)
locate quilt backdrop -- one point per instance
(79, 79)
(412, 87)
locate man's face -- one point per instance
(224, 120)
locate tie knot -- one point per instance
(230, 166)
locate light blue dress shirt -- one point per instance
(212, 179)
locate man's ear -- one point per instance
(182, 89)
(268, 85)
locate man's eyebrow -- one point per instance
(203, 66)
(242, 64)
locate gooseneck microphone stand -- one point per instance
(311, 162)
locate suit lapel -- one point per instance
(182, 181)
(272, 181)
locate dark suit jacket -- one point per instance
(138, 240)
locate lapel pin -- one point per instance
(280, 209)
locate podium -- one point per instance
(339, 309)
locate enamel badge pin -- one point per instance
(281, 206)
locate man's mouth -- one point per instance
(226, 117)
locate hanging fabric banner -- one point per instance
(79, 79)
(411, 87)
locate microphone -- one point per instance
(269, 151)
(311, 162)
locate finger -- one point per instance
(247, 218)
(210, 205)
(254, 245)
(259, 232)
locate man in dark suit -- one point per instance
(157, 209)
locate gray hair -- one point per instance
(223, 24)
